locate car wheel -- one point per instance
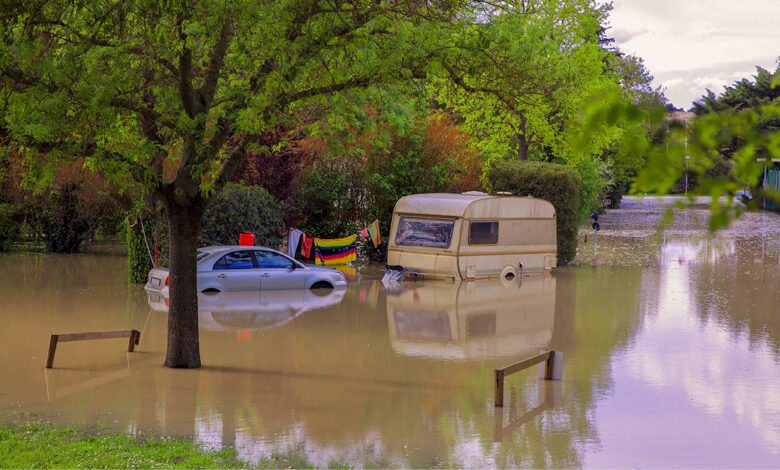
(321, 288)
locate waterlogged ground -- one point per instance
(671, 347)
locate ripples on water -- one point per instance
(670, 345)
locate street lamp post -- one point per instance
(686, 156)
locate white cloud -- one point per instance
(691, 45)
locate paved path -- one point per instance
(652, 202)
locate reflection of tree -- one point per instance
(742, 291)
(329, 381)
(597, 312)
(329, 384)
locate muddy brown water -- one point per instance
(671, 347)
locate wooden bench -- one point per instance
(550, 372)
(134, 335)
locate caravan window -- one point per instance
(484, 232)
(413, 231)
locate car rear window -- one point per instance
(416, 231)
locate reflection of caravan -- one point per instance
(473, 320)
(472, 236)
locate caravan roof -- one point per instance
(474, 205)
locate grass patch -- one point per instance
(38, 445)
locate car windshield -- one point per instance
(202, 254)
(414, 231)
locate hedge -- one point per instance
(561, 185)
(239, 209)
(10, 225)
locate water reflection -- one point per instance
(550, 396)
(474, 319)
(671, 361)
(253, 310)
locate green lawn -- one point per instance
(47, 446)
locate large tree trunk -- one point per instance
(521, 134)
(184, 225)
(522, 147)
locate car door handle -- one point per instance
(222, 276)
(265, 275)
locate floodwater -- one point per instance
(670, 341)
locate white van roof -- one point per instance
(474, 205)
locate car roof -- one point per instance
(222, 248)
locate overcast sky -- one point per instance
(692, 45)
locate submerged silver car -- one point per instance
(243, 268)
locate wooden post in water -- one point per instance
(499, 395)
(549, 372)
(52, 350)
(135, 338)
(548, 369)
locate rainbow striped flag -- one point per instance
(335, 251)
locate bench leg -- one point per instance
(52, 351)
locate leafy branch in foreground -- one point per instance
(749, 134)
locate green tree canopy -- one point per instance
(150, 92)
(520, 74)
(741, 125)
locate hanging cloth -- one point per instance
(364, 234)
(306, 246)
(373, 231)
(293, 238)
(335, 251)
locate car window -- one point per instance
(235, 260)
(483, 233)
(268, 259)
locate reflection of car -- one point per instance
(253, 310)
(242, 268)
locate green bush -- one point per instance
(616, 190)
(239, 209)
(10, 225)
(594, 187)
(63, 224)
(138, 261)
(561, 185)
(327, 198)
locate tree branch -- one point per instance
(185, 77)
(21, 78)
(230, 166)
(218, 139)
(355, 82)
(458, 80)
(145, 111)
(216, 59)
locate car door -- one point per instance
(278, 271)
(237, 271)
